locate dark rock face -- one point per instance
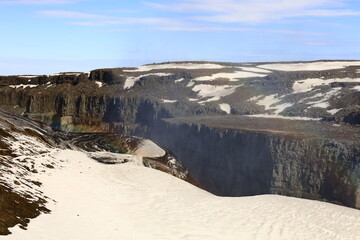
(352, 118)
(242, 163)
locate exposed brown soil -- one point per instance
(16, 209)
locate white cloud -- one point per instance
(256, 11)
(88, 19)
(158, 23)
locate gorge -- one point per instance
(236, 129)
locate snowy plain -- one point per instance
(146, 68)
(128, 201)
(310, 66)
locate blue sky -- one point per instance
(48, 36)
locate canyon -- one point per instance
(235, 129)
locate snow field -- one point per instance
(310, 66)
(146, 68)
(125, 201)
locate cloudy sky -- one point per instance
(48, 36)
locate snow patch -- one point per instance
(190, 84)
(307, 85)
(225, 107)
(28, 76)
(146, 68)
(233, 77)
(323, 103)
(255, 98)
(148, 148)
(213, 99)
(311, 97)
(179, 80)
(168, 101)
(214, 92)
(334, 111)
(65, 74)
(100, 84)
(356, 88)
(309, 66)
(23, 86)
(271, 102)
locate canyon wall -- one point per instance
(241, 163)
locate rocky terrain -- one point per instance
(239, 128)
(326, 90)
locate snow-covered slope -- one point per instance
(30, 152)
(96, 201)
(89, 200)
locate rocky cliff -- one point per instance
(301, 161)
